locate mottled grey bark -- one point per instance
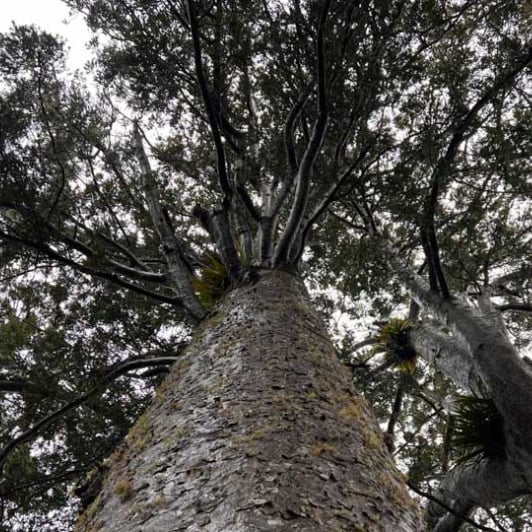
(448, 356)
(483, 346)
(256, 428)
(178, 271)
(486, 483)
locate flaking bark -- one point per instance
(257, 428)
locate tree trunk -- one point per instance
(256, 428)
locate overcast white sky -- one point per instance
(53, 16)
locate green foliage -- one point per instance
(393, 340)
(213, 281)
(478, 429)
(401, 76)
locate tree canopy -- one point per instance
(355, 141)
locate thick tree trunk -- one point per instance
(256, 428)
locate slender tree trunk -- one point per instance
(256, 428)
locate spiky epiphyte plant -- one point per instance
(212, 282)
(393, 340)
(478, 429)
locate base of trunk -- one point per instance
(256, 428)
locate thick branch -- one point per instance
(225, 243)
(448, 355)
(327, 198)
(179, 272)
(487, 483)
(288, 131)
(304, 173)
(223, 177)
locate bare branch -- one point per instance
(179, 270)
(223, 177)
(33, 431)
(514, 307)
(299, 205)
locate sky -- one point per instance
(53, 16)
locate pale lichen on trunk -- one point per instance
(256, 428)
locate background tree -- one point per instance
(354, 143)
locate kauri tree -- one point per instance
(158, 225)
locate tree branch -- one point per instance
(288, 131)
(488, 482)
(225, 243)
(435, 500)
(328, 197)
(111, 375)
(304, 174)
(442, 169)
(394, 414)
(514, 307)
(179, 271)
(223, 177)
(447, 355)
(109, 276)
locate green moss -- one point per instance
(353, 410)
(87, 515)
(123, 489)
(395, 490)
(373, 440)
(215, 385)
(177, 433)
(252, 436)
(138, 434)
(175, 405)
(181, 367)
(321, 448)
(160, 501)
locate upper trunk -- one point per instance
(256, 428)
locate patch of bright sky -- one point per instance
(54, 17)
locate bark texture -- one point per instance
(257, 428)
(483, 359)
(448, 356)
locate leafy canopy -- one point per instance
(427, 131)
